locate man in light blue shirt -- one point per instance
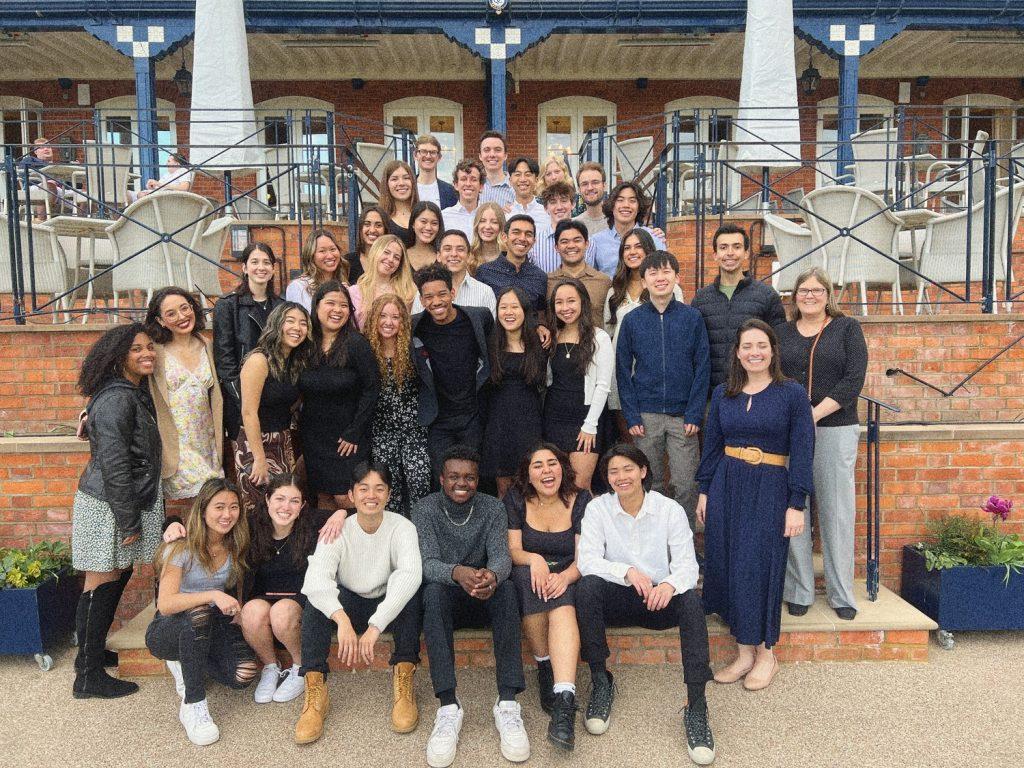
(468, 178)
(523, 172)
(497, 186)
(558, 201)
(625, 208)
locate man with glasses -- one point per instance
(428, 155)
(590, 180)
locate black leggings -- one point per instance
(205, 641)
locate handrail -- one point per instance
(893, 372)
(873, 512)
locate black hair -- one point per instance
(520, 217)
(162, 335)
(364, 468)
(432, 273)
(338, 352)
(530, 163)
(632, 453)
(261, 527)
(460, 452)
(534, 370)
(361, 247)
(620, 282)
(643, 204)
(587, 336)
(567, 224)
(453, 233)
(420, 207)
(492, 135)
(243, 289)
(105, 359)
(566, 489)
(658, 260)
(730, 229)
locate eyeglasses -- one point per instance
(815, 292)
(427, 152)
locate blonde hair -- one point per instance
(560, 162)
(476, 246)
(401, 281)
(401, 364)
(819, 274)
(311, 270)
(385, 200)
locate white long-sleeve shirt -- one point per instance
(658, 542)
(386, 562)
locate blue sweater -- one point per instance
(662, 363)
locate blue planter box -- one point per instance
(965, 597)
(32, 618)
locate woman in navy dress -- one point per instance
(750, 503)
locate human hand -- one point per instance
(486, 584)
(660, 596)
(794, 522)
(702, 508)
(465, 577)
(539, 573)
(641, 582)
(345, 448)
(637, 431)
(127, 541)
(260, 473)
(174, 532)
(331, 529)
(556, 585)
(545, 336)
(348, 642)
(585, 442)
(228, 605)
(691, 429)
(366, 643)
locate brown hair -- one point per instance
(737, 373)
(309, 267)
(819, 274)
(464, 166)
(590, 165)
(567, 488)
(386, 201)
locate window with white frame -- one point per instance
(872, 113)
(563, 124)
(702, 119)
(968, 115)
(119, 123)
(20, 122)
(298, 122)
(441, 118)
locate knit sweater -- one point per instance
(383, 563)
(479, 542)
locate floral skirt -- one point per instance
(280, 453)
(96, 542)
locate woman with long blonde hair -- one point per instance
(321, 260)
(388, 271)
(488, 226)
(554, 170)
(398, 440)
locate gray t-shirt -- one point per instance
(195, 578)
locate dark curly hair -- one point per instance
(162, 335)
(105, 360)
(643, 203)
(567, 488)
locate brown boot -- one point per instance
(404, 715)
(314, 709)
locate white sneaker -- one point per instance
(269, 678)
(508, 719)
(444, 739)
(292, 685)
(174, 667)
(199, 726)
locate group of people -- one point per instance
(366, 410)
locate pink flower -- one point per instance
(998, 507)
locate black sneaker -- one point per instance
(562, 728)
(700, 743)
(795, 609)
(546, 682)
(599, 708)
(847, 613)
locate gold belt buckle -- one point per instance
(752, 455)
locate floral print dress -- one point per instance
(188, 398)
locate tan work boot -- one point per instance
(404, 714)
(314, 709)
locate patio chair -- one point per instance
(47, 258)
(107, 173)
(872, 259)
(143, 261)
(635, 158)
(944, 251)
(791, 241)
(875, 155)
(951, 175)
(290, 167)
(202, 272)
(369, 162)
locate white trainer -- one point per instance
(199, 725)
(174, 667)
(292, 685)
(444, 739)
(269, 678)
(508, 719)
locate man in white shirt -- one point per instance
(523, 172)
(453, 252)
(469, 180)
(430, 188)
(639, 569)
(493, 153)
(591, 182)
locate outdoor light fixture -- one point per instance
(65, 83)
(810, 78)
(641, 83)
(183, 78)
(921, 83)
(498, 6)
(358, 83)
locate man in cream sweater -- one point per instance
(366, 581)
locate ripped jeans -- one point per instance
(205, 642)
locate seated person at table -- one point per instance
(177, 178)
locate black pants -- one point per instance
(205, 641)
(319, 631)
(600, 604)
(447, 431)
(447, 608)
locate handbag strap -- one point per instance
(810, 362)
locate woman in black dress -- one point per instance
(373, 222)
(545, 511)
(339, 393)
(512, 404)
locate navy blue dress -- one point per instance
(745, 550)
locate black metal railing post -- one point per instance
(354, 201)
(873, 512)
(989, 232)
(14, 236)
(29, 221)
(332, 194)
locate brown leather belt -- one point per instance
(756, 456)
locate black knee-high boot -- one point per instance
(92, 621)
(110, 658)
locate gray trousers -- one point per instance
(835, 457)
(665, 434)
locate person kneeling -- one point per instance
(639, 569)
(366, 581)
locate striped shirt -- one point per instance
(546, 257)
(500, 193)
(606, 245)
(472, 293)
(534, 210)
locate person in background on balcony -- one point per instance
(270, 396)
(625, 209)
(554, 171)
(581, 364)
(398, 196)
(321, 261)
(825, 351)
(366, 582)
(424, 235)
(339, 392)
(388, 272)
(592, 184)
(571, 241)
(238, 322)
(373, 222)
(488, 225)
(469, 182)
(557, 199)
(177, 177)
(428, 186)
(514, 268)
(497, 184)
(523, 173)
(512, 399)
(118, 509)
(467, 291)
(398, 440)
(755, 476)
(545, 510)
(186, 393)
(64, 197)
(194, 629)
(733, 298)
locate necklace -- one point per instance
(568, 347)
(284, 542)
(446, 514)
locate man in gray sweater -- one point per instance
(463, 539)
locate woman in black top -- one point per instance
(339, 393)
(825, 351)
(512, 399)
(373, 222)
(239, 318)
(545, 511)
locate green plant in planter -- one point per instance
(959, 540)
(31, 566)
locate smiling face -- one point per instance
(591, 186)
(553, 172)
(222, 512)
(730, 253)
(626, 207)
(454, 253)
(811, 297)
(660, 282)
(545, 473)
(572, 247)
(141, 357)
(625, 476)
(521, 237)
(459, 479)
(326, 257)
(284, 506)
(333, 311)
(370, 495)
(177, 315)
(436, 297)
(400, 184)
(488, 228)
(372, 228)
(259, 267)
(294, 329)
(568, 304)
(523, 180)
(511, 314)
(390, 321)
(390, 260)
(426, 227)
(558, 207)
(427, 156)
(469, 184)
(754, 351)
(492, 154)
(633, 252)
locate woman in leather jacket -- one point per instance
(118, 510)
(238, 320)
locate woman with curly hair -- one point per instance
(488, 226)
(388, 272)
(118, 510)
(398, 439)
(321, 261)
(373, 222)
(424, 235)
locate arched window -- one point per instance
(20, 122)
(563, 123)
(119, 123)
(441, 118)
(966, 115)
(872, 113)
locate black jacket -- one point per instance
(449, 196)
(724, 316)
(124, 465)
(236, 329)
